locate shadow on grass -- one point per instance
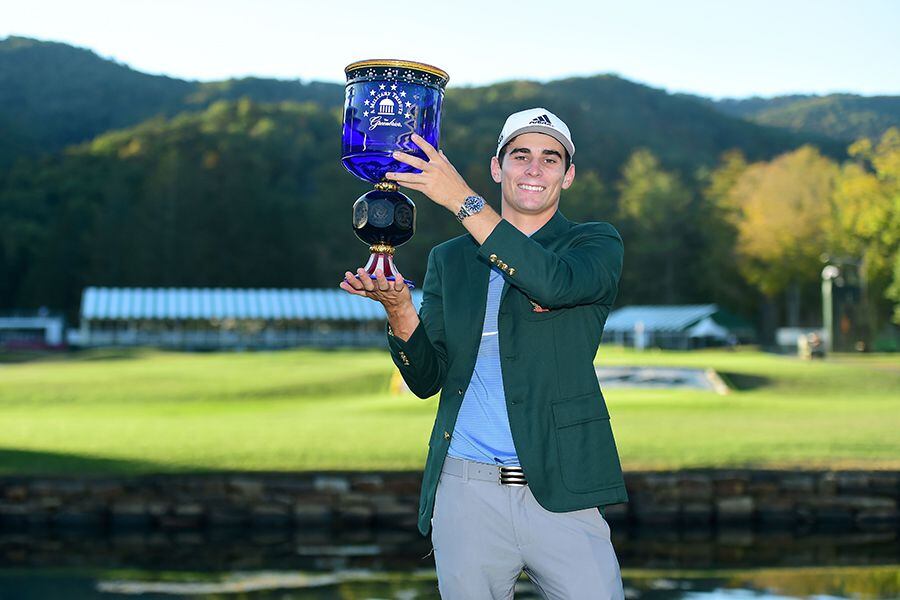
(26, 356)
(109, 354)
(365, 383)
(743, 382)
(29, 462)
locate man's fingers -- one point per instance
(365, 280)
(352, 281)
(381, 283)
(413, 161)
(413, 185)
(351, 284)
(379, 288)
(349, 288)
(427, 148)
(404, 177)
(398, 280)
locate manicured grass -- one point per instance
(148, 411)
(842, 413)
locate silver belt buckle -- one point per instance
(512, 476)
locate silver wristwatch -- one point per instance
(472, 205)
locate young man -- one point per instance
(521, 455)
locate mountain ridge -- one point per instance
(53, 95)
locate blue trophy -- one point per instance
(386, 102)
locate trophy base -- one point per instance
(382, 258)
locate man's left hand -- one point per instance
(439, 179)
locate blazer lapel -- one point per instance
(477, 277)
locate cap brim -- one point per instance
(554, 133)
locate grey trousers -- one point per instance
(485, 534)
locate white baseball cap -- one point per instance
(536, 120)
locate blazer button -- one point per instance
(459, 391)
(446, 436)
(512, 271)
(493, 258)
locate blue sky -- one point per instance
(718, 49)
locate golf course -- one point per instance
(146, 411)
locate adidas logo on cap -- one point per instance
(541, 120)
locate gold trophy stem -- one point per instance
(382, 249)
(386, 186)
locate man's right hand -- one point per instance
(393, 295)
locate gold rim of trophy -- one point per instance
(403, 64)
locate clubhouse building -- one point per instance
(220, 318)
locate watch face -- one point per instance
(470, 206)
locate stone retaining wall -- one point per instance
(695, 498)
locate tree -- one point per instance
(867, 209)
(653, 209)
(725, 284)
(782, 212)
(589, 199)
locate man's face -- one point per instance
(533, 174)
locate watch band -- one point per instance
(470, 206)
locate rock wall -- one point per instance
(695, 498)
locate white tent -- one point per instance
(708, 328)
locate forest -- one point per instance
(110, 177)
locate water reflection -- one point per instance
(862, 583)
(370, 565)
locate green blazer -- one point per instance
(557, 414)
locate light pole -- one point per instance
(829, 274)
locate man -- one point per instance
(521, 455)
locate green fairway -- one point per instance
(148, 411)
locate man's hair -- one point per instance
(502, 153)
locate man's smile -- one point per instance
(531, 188)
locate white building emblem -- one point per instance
(386, 107)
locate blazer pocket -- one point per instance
(588, 461)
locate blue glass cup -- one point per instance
(386, 101)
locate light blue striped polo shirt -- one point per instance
(482, 429)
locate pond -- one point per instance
(370, 565)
